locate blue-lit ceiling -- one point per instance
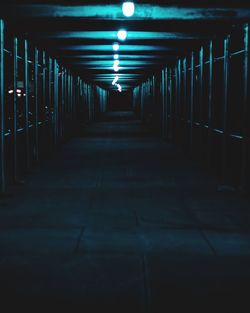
(154, 34)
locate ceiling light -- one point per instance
(116, 62)
(128, 9)
(116, 56)
(119, 87)
(115, 80)
(116, 68)
(116, 46)
(122, 34)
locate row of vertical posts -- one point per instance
(45, 112)
(198, 101)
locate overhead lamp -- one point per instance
(116, 68)
(116, 62)
(116, 56)
(119, 87)
(116, 46)
(115, 80)
(128, 9)
(122, 34)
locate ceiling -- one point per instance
(80, 34)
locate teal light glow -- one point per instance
(116, 46)
(122, 48)
(128, 9)
(116, 56)
(122, 34)
(133, 35)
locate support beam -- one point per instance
(36, 111)
(15, 111)
(163, 102)
(2, 110)
(26, 108)
(184, 100)
(210, 101)
(191, 102)
(246, 110)
(170, 112)
(225, 114)
(55, 104)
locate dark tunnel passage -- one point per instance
(124, 156)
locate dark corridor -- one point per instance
(124, 156)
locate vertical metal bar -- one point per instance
(55, 103)
(15, 69)
(192, 102)
(49, 85)
(2, 110)
(163, 101)
(201, 74)
(225, 111)
(170, 104)
(166, 102)
(201, 109)
(44, 85)
(141, 89)
(245, 130)
(210, 101)
(178, 102)
(176, 106)
(36, 106)
(26, 109)
(184, 100)
(63, 102)
(68, 93)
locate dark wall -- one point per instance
(202, 104)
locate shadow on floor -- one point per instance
(122, 222)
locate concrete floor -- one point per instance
(120, 221)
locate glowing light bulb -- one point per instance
(116, 56)
(119, 87)
(115, 80)
(10, 91)
(128, 9)
(116, 62)
(19, 91)
(122, 34)
(116, 46)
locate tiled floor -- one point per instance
(121, 222)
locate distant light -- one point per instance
(115, 80)
(119, 87)
(10, 91)
(122, 34)
(116, 68)
(116, 62)
(19, 91)
(19, 95)
(116, 46)
(116, 56)
(128, 9)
